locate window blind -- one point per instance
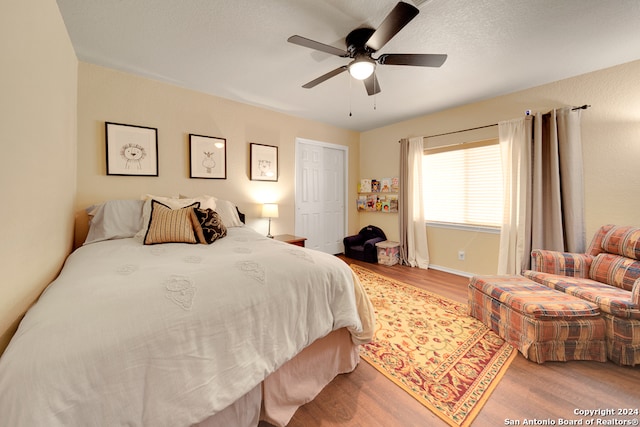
(463, 184)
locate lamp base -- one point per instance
(269, 235)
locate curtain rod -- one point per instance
(582, 107)
(463, 130)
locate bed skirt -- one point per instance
(295, 383)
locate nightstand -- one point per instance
(290, 238)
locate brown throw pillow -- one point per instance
(168, 225)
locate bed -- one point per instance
(142, 328)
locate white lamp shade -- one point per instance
(361, 69)
(270, 210)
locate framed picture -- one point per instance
(208, 157)
(131, 150)
(264, 162)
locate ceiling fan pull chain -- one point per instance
(350, 79)
(375, 92)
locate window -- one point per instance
(464, 185)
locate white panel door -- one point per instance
(334, 200)
(320, 194)
(309, 195)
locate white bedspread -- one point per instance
(167, 335)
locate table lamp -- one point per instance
(270, 210)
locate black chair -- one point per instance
(362, 246)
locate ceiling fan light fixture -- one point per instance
(363, 42)
(361, 68)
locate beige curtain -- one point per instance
(544, 190)
(413, 234)
(515, 233)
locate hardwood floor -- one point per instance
(528, 391)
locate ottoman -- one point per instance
(542, 323)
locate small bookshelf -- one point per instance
(378, 195)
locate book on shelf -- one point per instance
(372, 201)
(395, 184)
(361, 203)
(386, 205)
(393, 204)
(385, 185)
(365, 185)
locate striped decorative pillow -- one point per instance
(168, 225)
(615, 270)
(623, 240)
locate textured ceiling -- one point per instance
(237, 49)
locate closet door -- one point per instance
(333, 195)
(320, 194)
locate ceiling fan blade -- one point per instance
(372, 85)
(312, 44)
(400, 16)
(415, 59)
(324, 77)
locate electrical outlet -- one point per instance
(461, 255)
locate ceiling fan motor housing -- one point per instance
(356, 41)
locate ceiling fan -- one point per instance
(362, 43)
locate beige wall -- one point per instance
(108, 95)
(38, 160)
(611, 141)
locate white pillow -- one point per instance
(228, 213)
(227, 210)
(172, 202)
(206, 202)
(115, 219)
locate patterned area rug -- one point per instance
(429, 346)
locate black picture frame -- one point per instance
(131, 150)
(263, 163)
(207, 157)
